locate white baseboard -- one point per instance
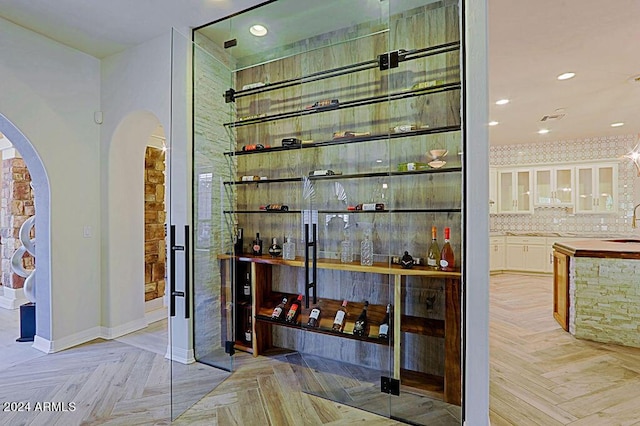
(12, 298)
(51, 346)
(180, 355)
(156, 315)
(110, 333)
(153, 304)
(155, 310)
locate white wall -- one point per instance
(50, 92)
(136, 98)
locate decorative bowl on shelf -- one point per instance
(438, 153)
(436, 164)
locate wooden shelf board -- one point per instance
(335, 264)
(424, 326)
(422, 383)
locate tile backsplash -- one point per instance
(561, 220)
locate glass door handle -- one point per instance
(172, 278)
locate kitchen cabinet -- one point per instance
(493, 190)
(553, 186)
(514, 186)
(561, 289)
(496, 254)
(526, 254)
(596, 188)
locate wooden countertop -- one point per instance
(620, 248)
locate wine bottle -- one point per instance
(246, 289)
(274, 249)
(248, 332)
(275, 208)
(433, 255)
(278, 311)
(314, 316)
(294, 310)
(340, 318)
(370, 207)
(289, 249)
(366, 251)
(256, 247)
(360, 326)
(384, 325)
(447, 261)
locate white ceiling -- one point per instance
(530, 43)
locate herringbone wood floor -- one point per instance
(540, 375)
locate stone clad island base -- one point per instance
(597, 290)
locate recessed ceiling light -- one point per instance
(493, 123)
(566, 75)
(502, 102)
(543, 131)
(258, 30)
(618, 124)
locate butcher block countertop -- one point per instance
(618, 248)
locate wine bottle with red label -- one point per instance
(447, 260)
(294, 310)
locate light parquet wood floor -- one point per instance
(541, 375)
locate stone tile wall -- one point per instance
(607, 300)
(154, 224)
(17, 206)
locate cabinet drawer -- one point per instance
(527, 240)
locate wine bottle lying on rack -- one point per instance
(384, 325)
(324, 173)
(360, 326)
(367, 207)
(279, 311)
(294, 310)
(275, 208)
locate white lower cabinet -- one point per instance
(496, 254)
(526, 254)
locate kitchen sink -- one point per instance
(625, 240)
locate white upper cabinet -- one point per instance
(553, 186)
(596, 188)
(514, 186)
(493, 190)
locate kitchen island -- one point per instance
(597, 289)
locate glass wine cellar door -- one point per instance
(201, 308)
(328, 170)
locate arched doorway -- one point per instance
(40, 183)
(123, 304)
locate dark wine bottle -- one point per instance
(278, 311)
(246, 288)
(275, 208)
(256, 247)
(294, 310)
(314, 316)
(384, 325)
(360, 327)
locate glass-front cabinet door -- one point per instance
(553, 187)
(596, 188)
(336, 150)
(515, 191)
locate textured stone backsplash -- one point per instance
(557, 219)
(606, 300)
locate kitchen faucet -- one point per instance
(633, 219)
